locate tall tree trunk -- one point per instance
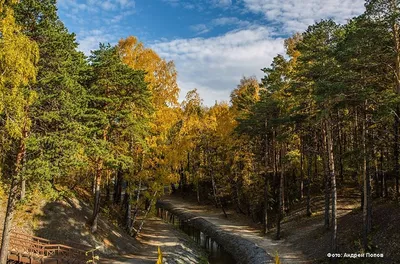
(128, 208)
(118, 186)
(217, 200)
(376, 169)
(325, 160)
(182, 182)
(309, 171)
(96, 207)
(238, 202)
(266, 195)
(396, 39)
(214, 188)
(280, 197)
(383, 177)
(8, 220)
(301, 168)
(266, 204)
(22, 177)
(385, 185)
(135, 211)
(94, 184)
(333, 185)
(198, 189)
(188, 168)
(275, 161)
(13, 197)
(108, 190)
(138, 190)
(341, 144)
(365, 197)
(355, 145)
(369, 194)
(145, 215)
(366, 188)
(396, 151)
(381, 174)
(284, 194)
(23, 188)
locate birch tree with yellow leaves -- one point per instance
(18, 58)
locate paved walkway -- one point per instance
(240, 226)
(176, 246)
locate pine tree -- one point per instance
(57, 134)
(119, 101)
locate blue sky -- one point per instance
(214, 43)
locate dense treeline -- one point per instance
(326, 114)
(76, 123)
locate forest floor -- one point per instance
(305, 239)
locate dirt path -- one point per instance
(176, 246)
(240, 226)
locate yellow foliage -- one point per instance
(246, 94)
(3, 195)
(277, 259)
(291, 49)
(160, 74)
(160, 257)
(161, 78)
(18, 58)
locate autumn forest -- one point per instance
(323, 122)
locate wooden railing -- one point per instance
(24, 248)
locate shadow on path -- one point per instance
(175, 245)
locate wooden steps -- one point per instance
(25, 248)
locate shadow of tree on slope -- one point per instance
(65, 222)
(310, 236)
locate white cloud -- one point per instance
(78, 11)
(218, 22)
(224, 21)
(199, 5)
(126, 3)
(120, 16)
(215, 65)
(188, 5)
(115, 4)
(75, 6)
(172, 2)
(108, 5)
(296, 15)
(90, 40)
(200, 29)
(221, 3)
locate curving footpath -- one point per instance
(243, 250)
